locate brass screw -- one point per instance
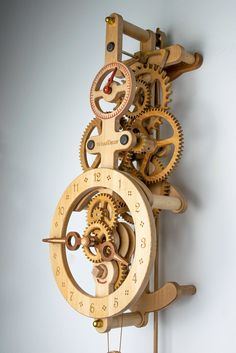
(98, 323)
(110, 20)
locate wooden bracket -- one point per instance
(147, 303)
(110, 142)
(175, 71)
(115, 29)
(175, 201)
(161, 298)
(174, 59)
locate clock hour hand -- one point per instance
(107, 89)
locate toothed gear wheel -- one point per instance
(142, 137)
(127, 165)
(141, 101)
(95, 125)
(104, 206)
(102, 233)
(122, 274)
(98, 214)
(151, 74)
(153, 167)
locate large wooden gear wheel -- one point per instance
(145, 243)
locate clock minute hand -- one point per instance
(72, 241)
(108, 253)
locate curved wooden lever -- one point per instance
(160, 299)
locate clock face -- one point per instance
(112, 91)
(117, 300)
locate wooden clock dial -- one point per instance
(114, 83)
(145, 243)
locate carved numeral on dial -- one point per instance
(76, 187)
(137, 207)
(97, 176)
(134, 279)
(143, 243)
(58, 271)
(119, 184)
(71, 296)
(116, 302)
(92, 308)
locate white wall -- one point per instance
(50, 52)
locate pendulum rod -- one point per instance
(121, 331)
(108, 342)
(120, 341)
(156, 284)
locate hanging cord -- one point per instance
(108, 345)
(121, 332)
(156, 280)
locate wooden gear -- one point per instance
(125, 187)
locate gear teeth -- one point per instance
(165, 191)
(156, 73)
(95, 123)
(140, 147)
(122, 274)
(161, 174)
(140, 108)
(100, 229)
(111, 223)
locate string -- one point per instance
(121, 331)
(108, 345)
(121, 334)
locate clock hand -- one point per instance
(107, 89)
(72, 241)
(54, 240)
(108, 253)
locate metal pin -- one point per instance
(54, 240)
(110, 20)
(128, 54)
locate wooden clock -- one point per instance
(127, 153)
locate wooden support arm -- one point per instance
(123, 320)
(135, 32)
(163, 297)
(147, 303)
(166, 203)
